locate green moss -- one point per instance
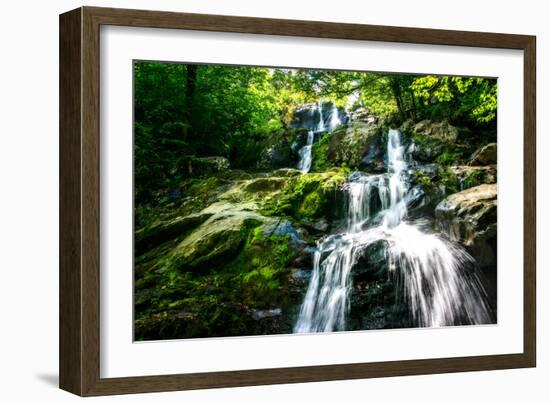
(319, 154)
(447, 179)
(307, 196)
(448, 157)
(436, 186)
(218, 301)
(475, 178)
(197, 187)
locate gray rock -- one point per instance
(357, 145)
(442, 131)
(470, 217)
(321, 225)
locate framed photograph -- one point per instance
(249, 201)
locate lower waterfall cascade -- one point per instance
(434, 276)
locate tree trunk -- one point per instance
(396, 89)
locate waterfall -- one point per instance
(304, 164)
(434, 276)
(335, 120)
(333, 117)
(321, 124)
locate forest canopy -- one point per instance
(206, 110)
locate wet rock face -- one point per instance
(306, 116)
(470, 217)
(438, 141)
(281, 149)
(442, 131)
(357, 145)
(373, 298)
(310, 115)
(485, 155)
(433, 182)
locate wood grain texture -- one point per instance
(530, 202)
(70, 274)
(80, 201)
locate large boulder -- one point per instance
(280, 150)
(431, 183)
(216, 240)
(357, 145)
(486, 155)
(442, 131)
(164, 230)
(437, 141)
(470, 217)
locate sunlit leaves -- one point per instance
(456, 98)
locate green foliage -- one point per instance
(184, 110)
(447, 180)
(475, 178)
(437, 185)
(175, 304)
(228, 111)
(457, 98)
(448, 157)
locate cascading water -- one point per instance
(332, 116)
(321, 124)
(304, 164)
(335, 120)
(434, 276)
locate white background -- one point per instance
(120, 357)
(29, 202)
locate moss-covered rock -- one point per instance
(219, 238)
(280, 149)
(226, 273)
(471, 176)
(308, 196)
(269, 184)
(320, 154)
(438, 142)
(350, 144)
(246, 294)
(486, 155)
(163, 230)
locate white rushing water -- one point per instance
(333, 118)
(304, 164)
(321, 124)
(431, 274)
